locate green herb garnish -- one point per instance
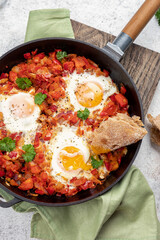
(7, 144)
(29, 154)
(96, 163)
(158, 16)
(83, 114)
(23, 83)
(39, 98)
(60, 55)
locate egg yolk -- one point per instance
(21, 107)
(89, 94)
(72, 159)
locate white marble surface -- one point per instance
(107, 15)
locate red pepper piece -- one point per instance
(68, 66)
(106, 73)
(26, 185)
(108, 166)
(123, 90)
(27, 55)
(121, 100)
(2, 172)
(109, 110)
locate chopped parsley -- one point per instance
(39, 98)
(29, 154)
(158, 16)
(96, 163)
(60, 55)
(83, 114)
(23, 83)
(7, 144)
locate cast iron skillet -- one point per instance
(107, 58)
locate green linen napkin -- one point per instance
(49, 23)
(126, 212)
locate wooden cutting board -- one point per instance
(142, 64)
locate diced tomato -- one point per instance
(73, 119)
(2, 124)
(39, 158)
(55, 69)
(44, 176)
(123, 89)
(12, 76)
(13, 135)
(106, 73)
(78, 182)
(27, 55)
(79, 64)
(4, 75)
(51, 190)
(121, 100)
(3, 133)
(112, 97)
(58, 93)
(13, 182)
(94, 171)
(69, 66)
(26, 185)
(86, 185)
(9, 173)
(37, 139)
(109, 110)
(2, 172)
(40, 191)
(34, 168)
(38, 57)
(108, 166)
(47, 136)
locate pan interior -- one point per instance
(118, 75)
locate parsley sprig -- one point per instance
(158, 16)
(96, 163)
(60, 55)
(83, 114)
(7, 144)
(29, 154)
(23, 83)
(39, 98)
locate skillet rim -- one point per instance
(138, 146)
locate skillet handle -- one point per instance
(141, 18)
(132, 29)
(10, 203)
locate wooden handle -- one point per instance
(141, 18)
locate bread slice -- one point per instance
(155, 129)
(116, 132)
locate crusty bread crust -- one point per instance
(155, 128)
(154, 121)
(116, 132)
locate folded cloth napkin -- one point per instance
(126, 212)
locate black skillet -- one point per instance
(107, 58)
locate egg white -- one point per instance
(14, 123)
(74, 79)
(66, 137)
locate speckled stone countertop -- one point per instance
(110, 16)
